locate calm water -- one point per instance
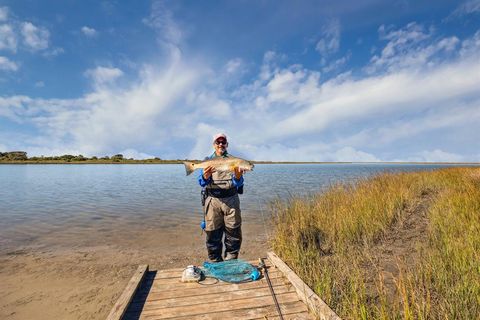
(39, 199)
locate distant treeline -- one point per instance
(21, 156)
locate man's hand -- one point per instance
(207, 172)
(238, 173)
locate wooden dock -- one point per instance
(161, 295)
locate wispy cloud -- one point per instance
(89, 32)
(162, 21)
(23, 35)
(405, 92)
(438, 155)
(8, 40)
(110, 119)
(468, 7)
(233, 65)
(330, 39)
(35, 38)
(132, 153)
(3, 14)
(103, 75)
(417, 84)
(7, 65)
(410, 47)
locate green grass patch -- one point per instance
(394, 246)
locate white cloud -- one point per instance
(103, 75)
(470, 46)
(330, 41)
(8, 40)
(233, 65)
(149, 112)
(292, 86)
(347, 154)
(309, 151)
(7, 65)
(35, 38)
(53, 52)
(410, 47)
(405, 92)
(468, 7)
(437, 155)
(3, 14)
(208, 104)
(89, 32)
(335, 65)
(296, 103)
(285, 113)
(132, 153)
(161, 20)
(14, 107)
(457, 115)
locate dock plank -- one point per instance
(305, 293)
(218, 307)
(292, 310)
(204, 290)
(162, 295)
(123, 302)
(215, 297)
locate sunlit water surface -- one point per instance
(37, 200)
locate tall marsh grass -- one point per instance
(332, 240)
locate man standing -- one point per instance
(222, 205)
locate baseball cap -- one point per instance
(218, 136)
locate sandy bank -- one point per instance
(45, 281)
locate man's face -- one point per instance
(220, 145)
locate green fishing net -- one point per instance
(233, 271)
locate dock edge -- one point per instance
(315, 304)
(120, 307)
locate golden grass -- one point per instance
(332, 241)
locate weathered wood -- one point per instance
(163, 296)
(121, 306)
(293, 316)
(216, 307)
(317, 306)
(213, 297)
(201, 290)
(292, 310)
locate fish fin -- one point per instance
(189, 167)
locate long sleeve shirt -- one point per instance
(202, 182)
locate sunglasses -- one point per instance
(219, 142)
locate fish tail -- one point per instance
(189, 167)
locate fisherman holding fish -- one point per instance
(221, 177)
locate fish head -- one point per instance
(245, 165)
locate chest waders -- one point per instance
(222, 217)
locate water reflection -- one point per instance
(43, 198)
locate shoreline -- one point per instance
(35, 162)
(84, 281)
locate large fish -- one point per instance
(220, 164)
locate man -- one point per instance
(222, 205)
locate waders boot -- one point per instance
(214, 245)
(233, 241)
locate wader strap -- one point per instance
(221, 193)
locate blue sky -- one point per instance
(303, 81)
